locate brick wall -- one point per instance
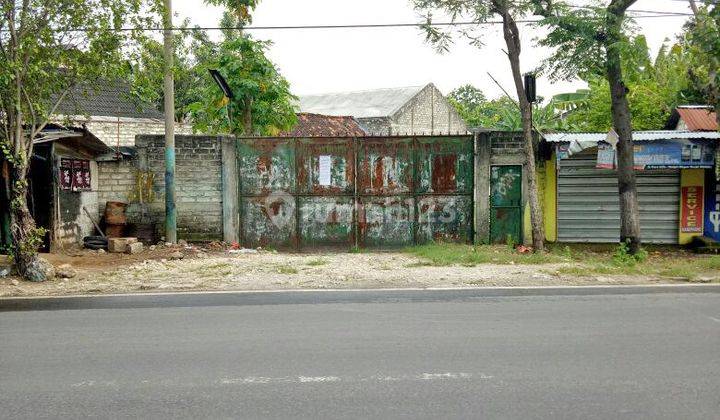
(123, 130)
(197, 180)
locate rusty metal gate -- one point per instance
(347, 191)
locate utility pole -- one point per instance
(169, 93)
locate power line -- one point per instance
(351, 26)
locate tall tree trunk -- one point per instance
(25, 237)
(512, 39)
(627, 186)
(694, 7)
(247, 116)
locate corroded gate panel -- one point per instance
(444, 178)
(326, 189)
(267, 171)
(386, 181)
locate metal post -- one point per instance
(169, 91)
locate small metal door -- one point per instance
(506, 203)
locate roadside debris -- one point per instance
(40, 270)
(65, 271)
(177, 255)
(134, 248)
(120, 245)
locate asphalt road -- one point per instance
(424, 355)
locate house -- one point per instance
(112, 114)
(62, 185)
(316, 125)
(693, 118)
(395, 111)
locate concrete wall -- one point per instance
(428, 113)
(497, 148)
(198, 184)
(71, 223)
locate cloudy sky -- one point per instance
(333, 60)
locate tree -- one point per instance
(591, 41)
(146, 69)
(656, 88)
(504, 113)
(261, 102)
(703, 39)
(46, 48)
(262, 96)
(508, 11)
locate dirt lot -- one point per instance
(219, 269)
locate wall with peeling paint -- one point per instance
(375, 191)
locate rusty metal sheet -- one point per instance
(266, 166)
(386, 221)
(268, 221)
(339, 153)
(370, 191)
(444, 165)
(445, 218)
(326, 220)
(385, 166)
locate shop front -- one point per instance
(673, 172)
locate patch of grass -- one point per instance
(445, 254)
(286, 269)
(316, 262)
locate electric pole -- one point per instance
(169, 93)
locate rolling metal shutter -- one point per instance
(589, 207)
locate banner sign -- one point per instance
(662, 154)
(691, 209)
(712, 208)
(74, 175)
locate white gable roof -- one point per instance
(360, 104)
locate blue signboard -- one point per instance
(712, 207)
(663, 154)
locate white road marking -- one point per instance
(270, 380)
(715, 319)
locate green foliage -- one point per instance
(250, 75)
(504, 113)
(623, 258)
(655, 89)
(146, 62)
(240, 9)
(446, 254)
(703, 41)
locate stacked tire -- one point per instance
(95, 242)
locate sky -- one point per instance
(336, 60)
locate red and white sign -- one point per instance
(692, 205)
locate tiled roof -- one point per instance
(360, 104)
(106, 99)
(316, 125)
(698, 118)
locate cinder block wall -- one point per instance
(197, 181)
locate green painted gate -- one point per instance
(506, 203)
(355, 191)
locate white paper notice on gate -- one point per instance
(324, 170)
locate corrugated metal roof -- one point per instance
(360, 104)
(637, 136)
(324, 126)
(698, 118)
